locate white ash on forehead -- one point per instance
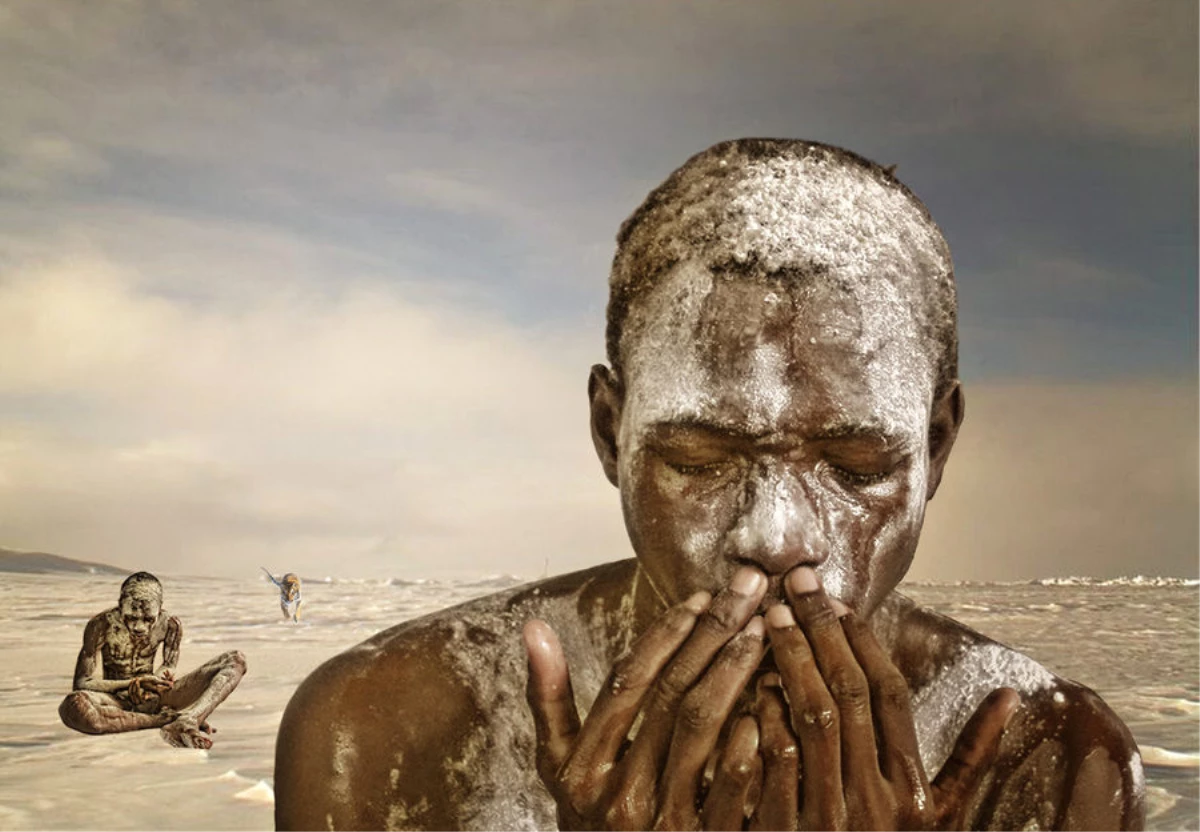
(794, 210)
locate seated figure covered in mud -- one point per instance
(781, 399)
(117, 688)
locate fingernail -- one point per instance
(698, 602)
(802, 580)
(780, 617)
(838, 607)
(755, 627)
(747, 581)
(536, 634)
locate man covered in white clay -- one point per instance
(117, 687)
(780, 402)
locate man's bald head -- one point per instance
(792, 211)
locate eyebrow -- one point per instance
(856, 430)
(716, 429)
(867, 431)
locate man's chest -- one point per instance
(120, 650)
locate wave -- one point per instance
(1128, 580)
(1152, 755)
(1071, 580)
(260, 792)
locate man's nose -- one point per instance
(778, 527)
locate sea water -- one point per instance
(1133, 642)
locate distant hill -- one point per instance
(43, 563)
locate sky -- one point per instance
(316, 286)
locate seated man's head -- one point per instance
(783, 390)
(141, 602)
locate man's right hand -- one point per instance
(682, 677)
(143, 689)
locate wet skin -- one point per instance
(804, 440)
(760, 463)
(808, 465)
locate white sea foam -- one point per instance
(260, 792)
(1152, 755)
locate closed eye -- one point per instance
(695, 470)
(856, 478)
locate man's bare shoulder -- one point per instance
(95, 632)
(412, 726)
(1064, 741)
(108, 618)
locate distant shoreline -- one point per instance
(44, 563)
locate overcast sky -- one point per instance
(317, 285)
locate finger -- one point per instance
(725, 805)
(780, 803)
(868, 797)
(974, 751)
(721, 621)
(634, 676)
(845, 679)
(550, 698)
(700, 717)
(891, 706)
(815, 722)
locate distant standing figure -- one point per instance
(116, 687)
(289, 593)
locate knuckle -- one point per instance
(696, 713)
(818, 719)
(629, 809)
(718, 619)
(737, 770)
(625, 675)
(740, 649)
(822, 618)
(795, 653)
(893, 691)
(673, 685)
(575, 787)
(782, 754)
(849, 690)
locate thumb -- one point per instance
(550, 698)
(974, 752)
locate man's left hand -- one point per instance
(859, 765)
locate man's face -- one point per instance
(777, 426)
(139, 612)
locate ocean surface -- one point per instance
(1134, 642)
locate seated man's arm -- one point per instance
(366, 741)
(170, 648)
(89, 667)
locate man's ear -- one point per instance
(606, 397)
(944, 419)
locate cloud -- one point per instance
(324, 284)
(370, 433)
(365, 431)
